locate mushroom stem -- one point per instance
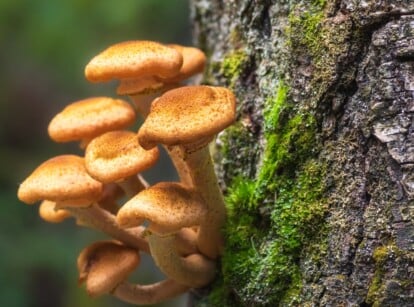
(175, 153)
(100, 219)
(132, 185)
(194, 270)
(143, 104)
(186, 242)
(148, 294)
(201, 170)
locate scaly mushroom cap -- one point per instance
(62, 179)
(133, 59)
(194, 61)
(117, 155)
(168, 206)
(187, 115)
(88, 118)
(105, 264)
(49, 212)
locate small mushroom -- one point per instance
(116, 156)
(88, 118)
(189, 118)
(104, 265)
(49, 213)
(64, 180)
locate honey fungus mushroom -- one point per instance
(168, 207)
(137, 64)
(116, 156)
(188, 118)
(105, 264)
(64, 180)
(86, 119)
(104, 267)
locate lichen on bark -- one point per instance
(317, 171)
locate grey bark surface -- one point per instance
(361, 91)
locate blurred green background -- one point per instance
(44, 46)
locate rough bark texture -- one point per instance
(318, 171)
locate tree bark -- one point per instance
(318, 170)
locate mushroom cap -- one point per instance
(104, 265)
(116, 155)
(168, 206)
(194, 61)
(51, 214)
(132, 59)
(187, 115)
(88, 118)
(62, 179)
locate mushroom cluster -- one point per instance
(177, 223)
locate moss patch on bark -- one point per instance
(273, 218)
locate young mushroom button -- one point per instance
(189, 118)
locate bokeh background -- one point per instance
(44, 46)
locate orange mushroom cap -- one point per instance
(105, 264)
(187, 115)
(132, 59)
(194, 61)
(88, 118)
(168, 206)
(117, 155)
(62, 179)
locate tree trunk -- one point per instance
(318, 169)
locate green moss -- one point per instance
(232, 66)
(238, 154)
(275, 217)
(310, 24)
(381, 255)
(312, 34)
